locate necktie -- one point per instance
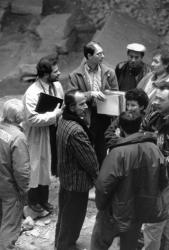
(50, 90)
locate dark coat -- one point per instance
(131, 181)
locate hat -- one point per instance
(136, 47)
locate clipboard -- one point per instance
(47, 103)
(113, 105)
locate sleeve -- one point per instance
(84, 153)
(73, 84)
(112, 80)
(21, 163)
(110, 134)
(110, 174)
(163, 177)
(33, 118)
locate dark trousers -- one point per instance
(38, 195)
(105, 230)
(99, 124)
(72, 211)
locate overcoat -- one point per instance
(37, 131)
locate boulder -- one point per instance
(118, 31)
(27, 72)
(51, 32)
(33, 7)
(5, 3)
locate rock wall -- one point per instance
(93, 14)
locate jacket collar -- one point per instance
(138, 137)
(81, 71)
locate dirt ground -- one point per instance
(41, 237)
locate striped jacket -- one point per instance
(77, 161)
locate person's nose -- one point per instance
(133, 59)
(102, 56)
(85, 106)
(129, 108)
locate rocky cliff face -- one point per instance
(93, 14)
(30, 29)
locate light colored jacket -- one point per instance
(37, 131)
(14, 161)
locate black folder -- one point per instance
(47, 103)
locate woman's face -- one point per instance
(157, 65)
(133, 107)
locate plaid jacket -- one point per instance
(77, 162)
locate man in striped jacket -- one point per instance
(77, 170)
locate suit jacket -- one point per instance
(78, 80)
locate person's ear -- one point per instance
(72, 107)
(89, 56)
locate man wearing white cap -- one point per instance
(130, 72)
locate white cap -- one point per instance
(136, 47)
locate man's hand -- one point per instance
(98, 95)
(58, 111)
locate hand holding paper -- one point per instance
(113, 104)
(98, 95)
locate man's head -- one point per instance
(93, 53)
(13, 111)
(135, 53)
(161, 101)
(47, 69)
(128, 123)
(136, 101)
(75, 102)
(160, 62)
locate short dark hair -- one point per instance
(141, 53)
(138, 95)
(164, 53)
(69, 98)
(45, 65)
(89, 48)
(129, 123)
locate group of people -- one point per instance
(125, 158)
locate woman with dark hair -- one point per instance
(136, 104)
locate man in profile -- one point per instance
(77, 170)
(37, 129)
(93, 78)
(130, 72)
(157, 121)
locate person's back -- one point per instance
(11, 139)
(14, 173)
(129, 187)
(136, 161)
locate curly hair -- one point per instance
(138, 95)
